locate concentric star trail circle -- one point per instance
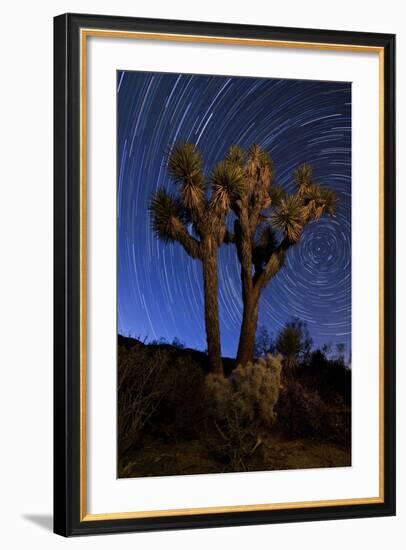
(159, 287)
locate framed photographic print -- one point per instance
(224, 274)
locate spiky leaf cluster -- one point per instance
(303, 177)
(167, 213)
(329, 200)
(259, 157)
(185, 168)
(276, 194)
(289, 217)
(318, 200)
(227, 183)
(236, 155)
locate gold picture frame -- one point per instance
(71, 45)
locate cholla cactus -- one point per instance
(243, 404)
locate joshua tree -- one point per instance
(195, 218)
(294, 342)
(268, 222)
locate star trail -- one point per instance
(159, 287)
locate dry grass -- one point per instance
(174, 419)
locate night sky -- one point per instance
(159, 287)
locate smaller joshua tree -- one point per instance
(194, 216)
(294, 343)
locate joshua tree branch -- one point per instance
(272, 266)
(243, 241)
(182, 236)
(255, 216)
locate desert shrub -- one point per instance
(302, 412)
(177, 343)
(160, 393)
(182, 410)
(141, 388)
(239, 406)
(330, 377)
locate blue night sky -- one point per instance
(159, 287)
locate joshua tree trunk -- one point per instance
(248, 329)
(250, 295)
(211, 308)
